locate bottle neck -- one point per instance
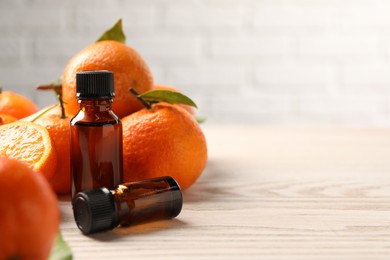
(95, 105)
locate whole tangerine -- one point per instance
(16, 105)
(163, 141)
(129, 68)
(29, 214)
(58, 127)
(6, 119)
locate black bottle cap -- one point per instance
(94, 210)
(177, 197)
(95, 84)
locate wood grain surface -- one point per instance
(268, 193)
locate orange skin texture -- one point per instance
(129, 68)
(59, 131)
(16, 105)
(189, 109)
(29, 213)
(163, 141)
(6, 119)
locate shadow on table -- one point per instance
(141, 229)
(210, 186)
(213, 185)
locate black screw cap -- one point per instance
(98, 84)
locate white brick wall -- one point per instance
(305, 62)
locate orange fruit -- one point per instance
(30, 143)
(44, 111)
(59, 131)
(6, 119)
(190, 109)
(163, 141)
(129, 68)
(16, 105)
(29, 213)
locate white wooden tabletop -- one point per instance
(268, 193)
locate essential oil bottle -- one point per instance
(128, 204)
(96, 134)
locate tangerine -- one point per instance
(163, 141)
(129, 68)
(16, 105)
(30, 143)
(29, 214)
(44, 111)
(6, 119)
(59, 131)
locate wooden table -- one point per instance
(268, 193)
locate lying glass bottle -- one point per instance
(128, 204)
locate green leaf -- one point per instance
(114, 34)
(155, 96)
(61, 250)
(200, 120)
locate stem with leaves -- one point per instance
(155, 96)
(57, 87)
(140, 98)
(42, 113)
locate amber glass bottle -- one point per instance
(128, 204)
(96, 134)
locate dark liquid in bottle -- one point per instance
(96, 155)
(148, 200)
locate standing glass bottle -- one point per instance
(96, 134)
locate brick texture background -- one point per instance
(270, 62)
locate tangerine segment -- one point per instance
(30, 143)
